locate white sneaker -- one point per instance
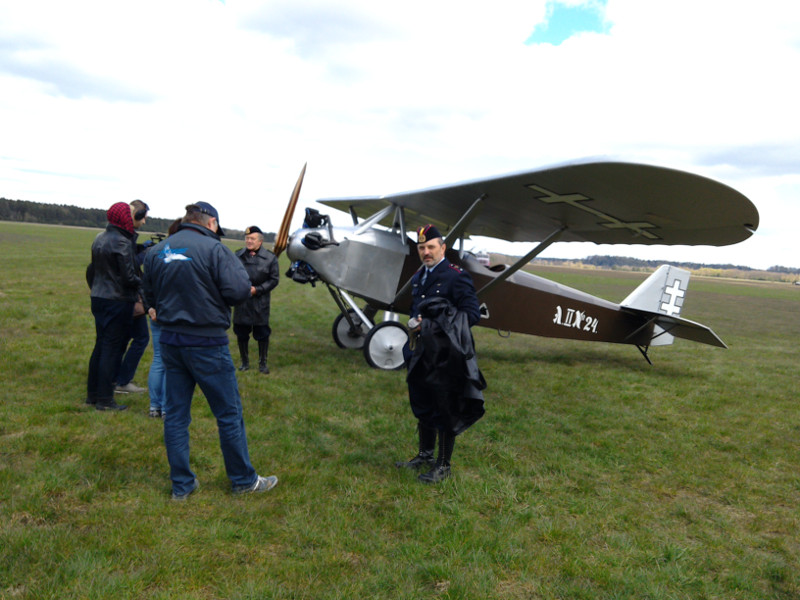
(262, 484)
(129, 388)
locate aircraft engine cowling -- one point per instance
(367, 264)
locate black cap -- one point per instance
(253, 229)
(427, 232)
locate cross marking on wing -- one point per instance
(577, 200)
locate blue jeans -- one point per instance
(112, 320)
(156, 378)
(140, 337)
(212, 369)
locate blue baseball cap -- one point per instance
(207, 209)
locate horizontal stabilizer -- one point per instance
(666, 325)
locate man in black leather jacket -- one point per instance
(115, 284)
(252, 315)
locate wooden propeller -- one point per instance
(282, 238)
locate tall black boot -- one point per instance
(244, 352)
(441, 470)
(427, 444)
(263, 347)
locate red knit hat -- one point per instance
(120, 215)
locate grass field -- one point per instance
(592, 475)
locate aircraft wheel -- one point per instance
(347, 337)
(383, 346)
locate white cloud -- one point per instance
(199, 99)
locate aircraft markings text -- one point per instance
(484, 311)
(577, 201)
(576, 319)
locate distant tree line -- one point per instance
(627, 262)
(609, 262)
(62, 214)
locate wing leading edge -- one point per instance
(600, 202)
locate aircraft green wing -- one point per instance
(602, 202)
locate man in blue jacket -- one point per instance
(191, 280)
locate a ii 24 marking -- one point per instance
(576, 319)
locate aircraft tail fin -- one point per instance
(661, 297)
(663, 292)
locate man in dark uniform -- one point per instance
(441, 401)
(252, 315)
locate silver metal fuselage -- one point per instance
(366, 263)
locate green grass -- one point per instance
(592, 475)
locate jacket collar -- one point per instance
(128, 234)
(198, 229)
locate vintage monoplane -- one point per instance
(592, 201)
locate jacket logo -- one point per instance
(168, 254)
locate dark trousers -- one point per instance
(424, 401)
(260, 332)
(112, 320)
(139, 336)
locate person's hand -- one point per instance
(152, 312)
(252, 290)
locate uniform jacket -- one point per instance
(192, 280)
(446, 281)
(262, 268)
(115, 275)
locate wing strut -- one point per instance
(457, 232)
(374, 219)
(523, 261)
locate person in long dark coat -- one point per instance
(445, 401)
(252, 316)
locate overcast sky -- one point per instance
(174, 101)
